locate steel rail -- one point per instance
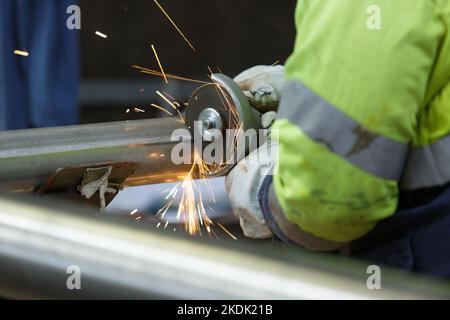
(40, 239)
(29, 157)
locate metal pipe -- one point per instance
(29, 157)
(40, 240)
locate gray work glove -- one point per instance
(243, 185)
(263, 86)
(244, 182)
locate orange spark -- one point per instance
(226, 231)
(160, 65)
(174, 24)
(191, 211)
(162, 109)
(100, 34)
(170, 76)
(167, 100)
(21, 53)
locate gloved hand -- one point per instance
(244, 181)
(243, 185)
(263, 86)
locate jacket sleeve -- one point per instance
(358, 78)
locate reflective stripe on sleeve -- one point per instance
(324, 123)
(428, 166)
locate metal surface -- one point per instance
(39, 241)
(29, 157)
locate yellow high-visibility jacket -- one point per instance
(366, 112)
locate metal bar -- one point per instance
(29, 157)
(40, 240)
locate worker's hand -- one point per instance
(243, 185)
(244, 182)
(263, 86)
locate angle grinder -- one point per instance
(218, 107)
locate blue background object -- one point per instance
(40, 90)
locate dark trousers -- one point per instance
(416, 238)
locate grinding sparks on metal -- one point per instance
(21, 53)
(101, 35)
(174, 104)
(169, 76)
(167, 94)
(166, 100)
(234, 122)
(210, 71)
(161, 108)
(159, 63)
(191, 210)
(187, 208)
(228, 105)
(226, 231)
(181, 116)
(174, 24)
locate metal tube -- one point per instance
(40, 240)
(29, 157)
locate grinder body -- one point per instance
(221, 107)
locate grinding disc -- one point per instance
(220, 105)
